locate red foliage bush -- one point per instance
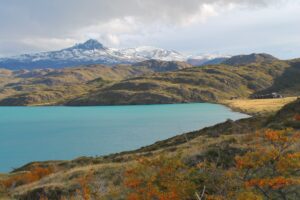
(27, 177)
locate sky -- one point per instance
(191, 26)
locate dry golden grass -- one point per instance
(258, 106)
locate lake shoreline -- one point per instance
(182, 118)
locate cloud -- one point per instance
(63, 16)
(35, 25)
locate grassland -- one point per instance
(258, 106)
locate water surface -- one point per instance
(54, 133)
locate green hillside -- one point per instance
(56, 86)
(248, 59)
(148, 82)
(288, 83)
(198, 84)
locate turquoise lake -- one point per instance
(57, 133)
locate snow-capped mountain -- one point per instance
(90, 52)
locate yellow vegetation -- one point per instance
(258, 106)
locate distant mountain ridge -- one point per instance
(93, 52)
(248, 59)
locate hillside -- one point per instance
(162, 66)
(207, 60)
(198, 84)
(148, 82)
(288, 83)
(248, 59)
(217, 147)
(52, 86)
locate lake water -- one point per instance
(53, 133)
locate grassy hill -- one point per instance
(198, 84)
(289, 82)
(150, 82)
(248, 59)
(55, 86)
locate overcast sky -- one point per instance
(191, 26)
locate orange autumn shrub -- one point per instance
(272, 167)
(27, 177)
(289, 164)
(274, 183)
(85, 190)
(220, 183)
(161, 178)
(297, 117)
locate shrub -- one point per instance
(27, 177)
(272, 168)
(160, 178)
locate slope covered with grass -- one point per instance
(56, 86)
(198, 84)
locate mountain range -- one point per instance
(150, 82)
(93, 52)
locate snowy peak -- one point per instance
(93, 52)
(90, 44)
(148, 52)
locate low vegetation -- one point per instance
(258, 106)
(57, 86)
(150, 82)
(198, 84)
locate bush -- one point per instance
(160, 178)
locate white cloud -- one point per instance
(204, 12)
(48, 43)
(32, 25)
(108, 32)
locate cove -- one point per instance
(57, 133)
